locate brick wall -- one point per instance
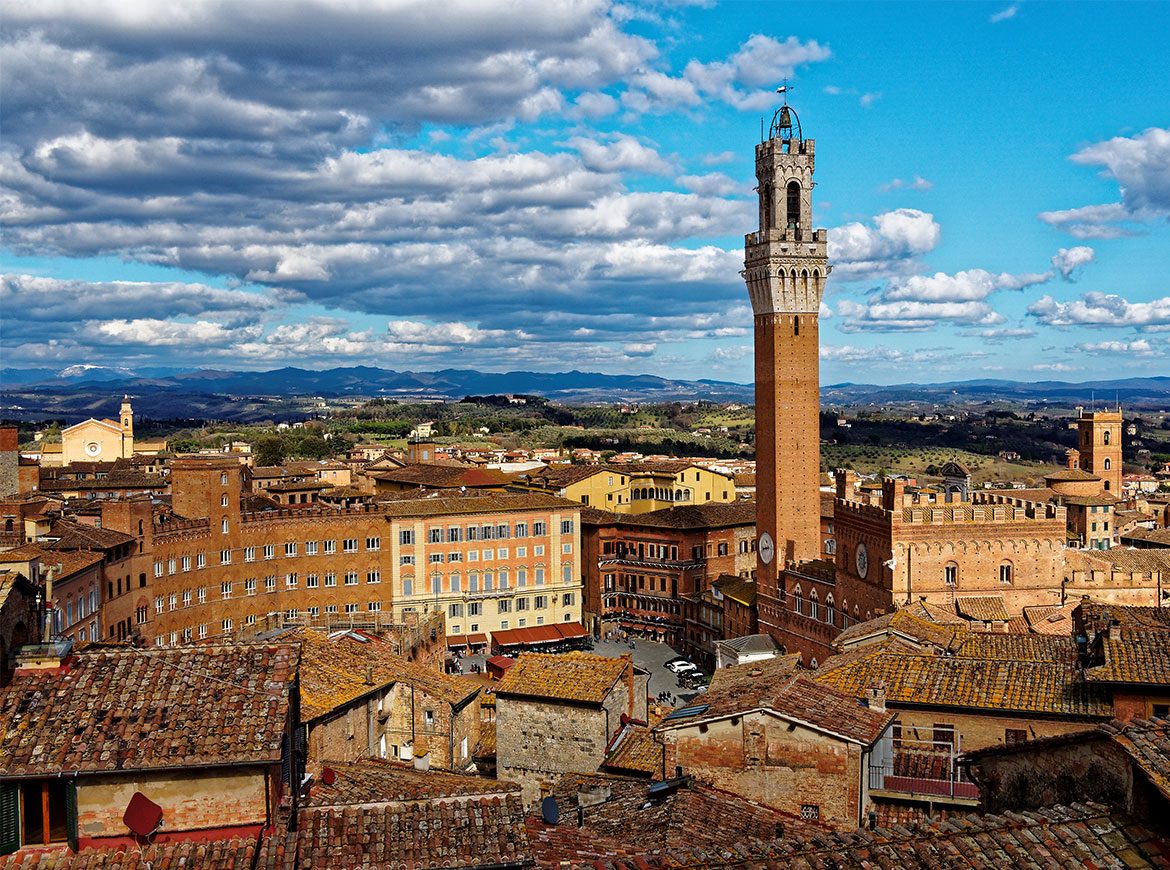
(538, 740)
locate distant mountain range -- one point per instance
(83, 390)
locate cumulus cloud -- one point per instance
(883, 355)
(1102, 309)
(1139, 348)
(890, 245)
(619, 152)
(965, 286)
(1069, 261)
(917, 182)
(1141, 167)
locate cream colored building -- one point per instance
(99, 440)
(633, 488)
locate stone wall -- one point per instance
(537, 740)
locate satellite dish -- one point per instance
(328, 776)
(549, 811)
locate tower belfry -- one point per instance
(785, 266)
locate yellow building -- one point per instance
(632, 489)
(100, 440)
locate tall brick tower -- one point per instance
(785, 266)
(1100, 443)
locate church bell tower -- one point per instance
(785, 266)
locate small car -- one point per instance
(679, 666)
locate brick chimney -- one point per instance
(876, 697)
(628, 672)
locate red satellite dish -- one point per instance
(143, 816)
(328, 776)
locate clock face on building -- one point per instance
(767, 548)
(93, 448)
(862, 561)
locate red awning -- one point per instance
(454, 640)
(477, 639)
(571, 630)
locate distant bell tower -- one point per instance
(785, 266)
(1100, 444)
(127, 421)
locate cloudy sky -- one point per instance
(553, 184)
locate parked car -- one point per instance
(680, 666)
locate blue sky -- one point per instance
(552, 185)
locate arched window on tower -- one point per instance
(1106, 435)
(793, 208)
(1108, 463)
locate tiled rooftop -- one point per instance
(334, 671)
(1134, 655)
(373, 780)
(741, 589)
(1097, 614)
(444, 476)
(1014, 647)
(79, 536)
(115, 708)
(185, 854)
(1009, 685)
(424, 505)
(982, 608)
(902, 623)
(71, 561)
(471, 832)
(1147, 742)
(577, 676)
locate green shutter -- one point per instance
(9, 818)
(71, 813)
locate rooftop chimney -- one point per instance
(877, 697)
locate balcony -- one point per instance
(923, 770)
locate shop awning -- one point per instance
(456, 640)
(477, 639)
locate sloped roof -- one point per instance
(1135, 656)
(72, 562)
(576, 676)
(696, 516)
(188, 854)
(131, 709)
(982, 608)
(79, 536)
(901, 623)
(444, 476)
(1008, 685)
(374, 780)
(334, 672)
(741, 589)
(751, 643)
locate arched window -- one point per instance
(793, 209)
(830, 611)
(951, 574)
(1107, 484)
(1005, 572)
(814, 604)
(1106, 435)
(797, 601)
(1108, 462)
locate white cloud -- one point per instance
(1140, 348)
(969, 285)
(1101, 309)
(1054, 367)
(1069, 261)
(719, 159)
(619, 153)
(1005, 14)
(889, 246)
(1141, 166)
(917, 182)
(869, 98)
(713, 184)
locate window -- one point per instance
(521, 603)
(503, 606)
(539, 576)
(314, 612)
(171, 566)
(434, 558)
(1005, 572)
(540, 529)
(810, 812)
(310, 548)
(455, 611)
(454, 534)
(567, 599)
(172, 601)
(351, 578)
(330, 578)
(270, 551)
(1014, 736)
(567, 573)
(521, 552)
(538, 550)
(473, 581)
(225, 557)
(566, 527)
(330, 548)
(434, 536)
(223, 479)
(1108, 463)
(186, 563)
(406, 537)
(473, 555)
(406, 560)
(429, 718)
(225, 589)
(330, 608)
(290, 581)
(226, 625)
(566, 549)
(521, 530)
(475, 608)
(158, 569)
(473, 533)
(351, 608)
(374, 607)
(540, 603)
(203, 631)
(503, 578)
(374, 576)
(723, 549)
(373, 543)
(489, 533)
(349, 545)
(408, 586)
(521, 576)
(223, 526)
(270, 583)
(200, 560)
(249, 554)
(455, 583)
(290, 549)
(944, 735)
(502, 532)
(201, 594)
(454, 557)
(951, 574)
(1106, 436)
(187, 598)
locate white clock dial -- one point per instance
(862, 561)
(767, 548)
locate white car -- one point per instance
(680, 666)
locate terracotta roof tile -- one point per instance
(444, 476)
(698, 516)
(433, 504)
(576, 676)
(130, 709)
(982, 608)
(1133, 655)
(186, 854)
(374, 780)
(334, 671)
(1011, 685)
(71, 561)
